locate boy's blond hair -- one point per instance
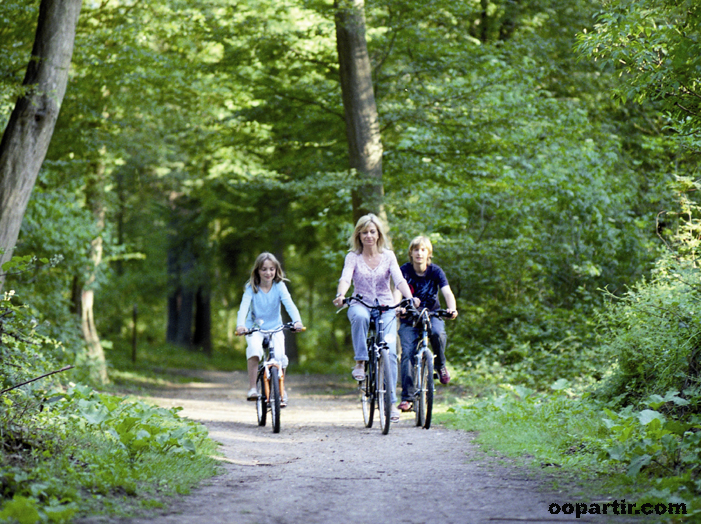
(418, 242)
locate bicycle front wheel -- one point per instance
(261, 402)
(275, 398)
(425, 409)
(384, 395)
(367, 396)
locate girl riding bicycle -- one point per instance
(369, 266)
(425, 280)
(260, 305)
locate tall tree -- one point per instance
(28, 134)
(362, 123)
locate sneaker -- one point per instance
(252, 394)
(359, 372)
(445, 376)
(404, 405)
(283, 401)
(394, 414)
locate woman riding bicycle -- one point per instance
(369, 266)
(425, 280)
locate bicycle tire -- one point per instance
(367, 396)
(261, 401)
(275, 399)
(384, 396)
(418, 384)
(426, 395)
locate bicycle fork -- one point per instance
(266, 378)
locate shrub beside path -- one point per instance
(325, 467)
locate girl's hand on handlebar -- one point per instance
(240, 330)
(299, 327)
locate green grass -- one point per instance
(568, 438)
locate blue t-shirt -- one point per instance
(265, 307)
(426, 286)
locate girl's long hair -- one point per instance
(254, 281)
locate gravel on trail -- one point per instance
(325, 467)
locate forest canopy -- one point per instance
(194, 135)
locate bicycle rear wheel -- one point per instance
(384, 396)
(275, 398)
(425, 410)
(261, 401)
(367, 396)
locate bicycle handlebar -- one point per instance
(413, 312)
(290, 326)
(379, 307)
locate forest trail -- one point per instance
(325, 467)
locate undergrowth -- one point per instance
(646, 455)
(78, 451)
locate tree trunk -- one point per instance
(95, 199)
(28, 133)
(202, 337)
(362, 123)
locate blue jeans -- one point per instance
(359, 317)
(409, 337)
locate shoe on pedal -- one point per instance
(405, 405)
(394, 414)
(444, 375)
(252, 394)
(359, 372)
(283, 401)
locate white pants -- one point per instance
(277, 343)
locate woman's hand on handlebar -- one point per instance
(339, 300)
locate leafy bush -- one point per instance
(653, 331)
(69, 450)
(647, 451)
(82, 442)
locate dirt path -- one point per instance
(325, 467)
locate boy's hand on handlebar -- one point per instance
(453, 312)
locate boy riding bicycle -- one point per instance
(425, 280)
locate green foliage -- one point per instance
(655, 43)
(652, 331)
(643, 454)
(58, 444)
(88, 442)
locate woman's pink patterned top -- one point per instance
(372, 283)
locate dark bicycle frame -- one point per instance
(423, 358)
(373, 393)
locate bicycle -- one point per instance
(422, 368)
(375, 388)
(270, 381)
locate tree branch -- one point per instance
(65, 368)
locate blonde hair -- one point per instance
(254, 281)
(362, 225)
(418, 242)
